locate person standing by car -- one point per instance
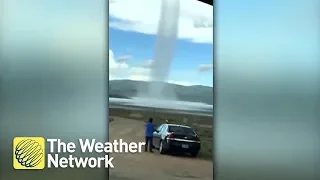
(149, 129)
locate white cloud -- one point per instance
(123, 59)
(142, 16)
(121, 70)
(205, 67)
(148, 64)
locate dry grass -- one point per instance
(202, 124)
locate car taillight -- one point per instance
(171, 135)
(197, 138)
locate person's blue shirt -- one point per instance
(149, 129)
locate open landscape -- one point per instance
(201, 124)
(156, 82)
(186, 105)
(128, 124)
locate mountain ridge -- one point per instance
(131, 88)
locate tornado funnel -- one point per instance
(164, 49)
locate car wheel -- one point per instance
(194, 154)
(161, 148)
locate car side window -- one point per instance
(164, 128)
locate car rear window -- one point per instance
(180, 129)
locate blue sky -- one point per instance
(188, 55)
(264, 33)
(134, 35)
(141, 46)
(75, 25)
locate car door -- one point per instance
(157, 136)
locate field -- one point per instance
(202, 124)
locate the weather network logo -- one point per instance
(29, 153)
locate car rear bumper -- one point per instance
(183, 146)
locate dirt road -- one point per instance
(145, 166)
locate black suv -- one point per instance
(176, 138)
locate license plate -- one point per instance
(184, 146)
